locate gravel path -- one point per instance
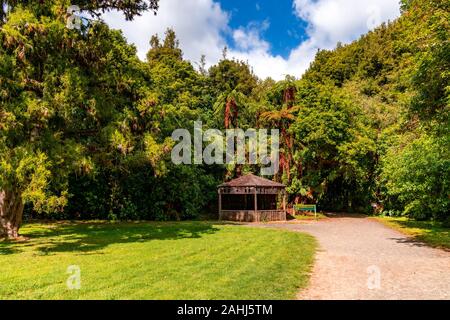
(353, 251)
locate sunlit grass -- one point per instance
(430, 232)
(185, 260)
(310, 216)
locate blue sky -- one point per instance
(276, 38)
(284, 29)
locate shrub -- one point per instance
(418, 177)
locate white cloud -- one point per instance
(331, 21)
(249, 38)
(201, 26)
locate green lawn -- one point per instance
(303, 217)
(429, 232)
(182, 260)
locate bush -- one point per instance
(418, 177)
(392, 213)
(446, 222)
(183, 193)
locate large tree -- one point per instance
(64, 94)
(281, 116)
(231, 83)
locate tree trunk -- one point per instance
(239, 170)
(11, 212)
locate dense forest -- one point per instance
(85, 126)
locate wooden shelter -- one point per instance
(251, 199)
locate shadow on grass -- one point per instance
(429, 234)
(410, 240)
(84, 237)
(344, 215)
(6, 248)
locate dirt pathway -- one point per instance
(360, 258)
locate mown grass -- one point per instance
(429, 232)
(303, 217)
(183, 260)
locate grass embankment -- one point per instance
(430, 232)
(185, 260)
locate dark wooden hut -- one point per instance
(251, 199)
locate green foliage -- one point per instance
(130, 8)
(446, 222)
(335, 150)
(432, 77)
(85, 125)
(28, 174)
(365, 103)
(82, 106)
(418, 175)
(229, 75)
(417, 170)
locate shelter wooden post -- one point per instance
(256, 204)
(284, 201)
(220, 205)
